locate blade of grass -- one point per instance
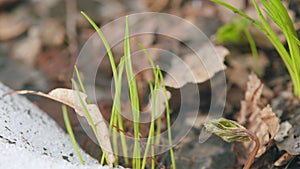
(70, 132)
(253, 49)
(106, 44)
(80, 80)
(153, 90)
(133, 92)
(160, 80)
(158, 121)
(279, 47)
(241, 13)
(118, 84)
(279, 15)
(116, 109)
(120, 121)
(168, 118)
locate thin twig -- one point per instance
(255, 150)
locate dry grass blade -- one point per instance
(70, 98)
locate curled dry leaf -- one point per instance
(270, 119)
(71, 98)
(252, 95)
(262, 122)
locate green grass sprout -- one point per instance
(160, 81)
(116, 117)
(232, 32)
(153, 90)
(133, 93)
(70, 132)
(277, 12)
(168, 114)
(118, 83)
(80, 80)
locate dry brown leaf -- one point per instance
(270, 119)
(192, 69)
(252, 95)
(262, 122)
(69, 97)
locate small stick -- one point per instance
(255, 150)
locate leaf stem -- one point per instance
(254, 151)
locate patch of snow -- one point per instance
(30, 139)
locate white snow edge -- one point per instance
(30, 139)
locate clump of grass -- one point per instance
(116, 117)
(277, 12)
(159, 84)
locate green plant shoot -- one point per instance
(277, 12)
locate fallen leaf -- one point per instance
(252, 96)
(262, 122)
(270, 119)
(196, 68)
